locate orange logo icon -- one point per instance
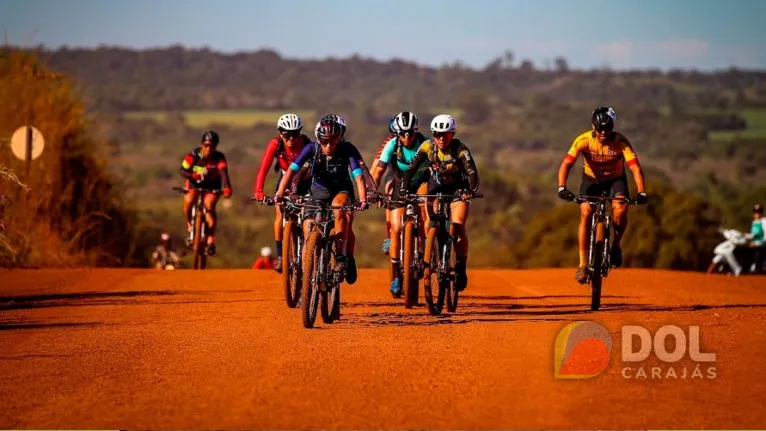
(582, 351)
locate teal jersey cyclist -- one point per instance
(398, 154)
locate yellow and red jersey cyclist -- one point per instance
(205, 167)
(605, 154)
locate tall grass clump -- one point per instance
(69, 210)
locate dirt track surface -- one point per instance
(111, 349)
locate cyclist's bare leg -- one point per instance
(620, 212)
(278, 238)
(341, 222)
(460, 212)
(210, 201)
(189, 198)
(396, 228)
(351, 242)
(278, 224)
(582, 240)
(388, 189)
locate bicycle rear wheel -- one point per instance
(291, 264)
(311, 280)
(433, 289)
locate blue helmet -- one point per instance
(392, 126)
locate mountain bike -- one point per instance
(439, 265)
(199, 223)
(599, 248)
(410, 255)
(292, 249)
(320, 283)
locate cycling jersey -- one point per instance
(331, 173)
(453, 166)
(213, 170)
(276, 149)
(757, 231)
(394, 149)
(602, 161)
(383, 145)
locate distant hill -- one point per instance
(175, 78)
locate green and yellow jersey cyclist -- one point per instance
(397, 154)
(451, 169)
(605, 154)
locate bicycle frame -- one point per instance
(601, 214)
(199, 206)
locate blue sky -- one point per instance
(703, 34)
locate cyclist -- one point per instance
(388, 182)
(605, 153)
(332, 158)
(285, 147)
(206, 167)
(398, 153)
(452, 170)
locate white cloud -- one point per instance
(672, 52)
(680, 49)
(617, 54)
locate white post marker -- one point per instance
(27, 144)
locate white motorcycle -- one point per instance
(732, 256)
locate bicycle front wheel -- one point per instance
(410, 278)
(433, 289)
(198, 246)
(597, 266)
(311, 279)
(291, 264)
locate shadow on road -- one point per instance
(78, 299)
(472, 309)
(15, 326)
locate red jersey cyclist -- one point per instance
(283, 148)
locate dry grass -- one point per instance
(72, 213)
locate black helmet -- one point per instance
(211, 136)
(335, 118)
(406, 121)
(328, 129)
(603, 118)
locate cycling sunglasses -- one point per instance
(289, 134)
(408, 132)
(327, 141)
(443, 134)
(603, 128)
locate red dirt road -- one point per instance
(112, 349)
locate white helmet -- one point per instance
(443, 123)
(406, 121)
(266, 251)
(290, 122)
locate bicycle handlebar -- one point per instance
(596, 199)
(199, 189)
(300, 204)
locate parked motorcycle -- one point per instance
(732, 256)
